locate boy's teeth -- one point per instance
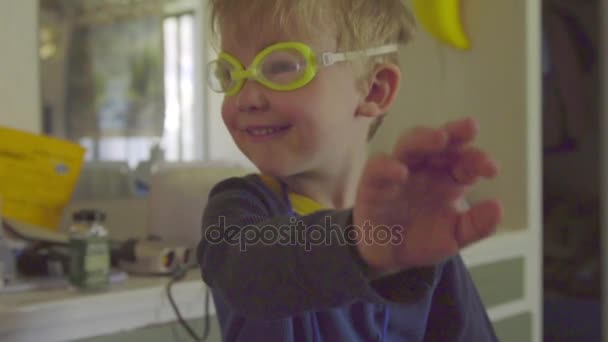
(263, 131)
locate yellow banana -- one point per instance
(442, 19)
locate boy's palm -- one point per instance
(415, 192)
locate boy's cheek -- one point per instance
(228, 110)
(226, 104)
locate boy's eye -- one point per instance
(281, 62)
(221, 75)
(277, 67)
(224, 74)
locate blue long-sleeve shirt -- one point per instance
(321, 292)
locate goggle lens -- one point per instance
(220, 76)
(283, 67)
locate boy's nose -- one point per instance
(251, 98)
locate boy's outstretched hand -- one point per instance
(414, 191)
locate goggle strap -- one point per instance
(330, 58)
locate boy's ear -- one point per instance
(382, 89)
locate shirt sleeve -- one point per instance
(270, 265)
(457, 312)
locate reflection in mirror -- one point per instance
(118, 77)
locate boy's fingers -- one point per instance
(471, 164)
(478, 222)
(462, 131)
(382, 171)
(417, 144)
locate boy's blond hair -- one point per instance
(358, 24)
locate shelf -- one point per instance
(504, 244)
(68, 314)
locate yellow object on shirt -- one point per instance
(302, 205)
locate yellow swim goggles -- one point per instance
(284, 66)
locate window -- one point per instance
(179, 136)
(181, 127)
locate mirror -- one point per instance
(118, 76)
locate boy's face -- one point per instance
(313, 128)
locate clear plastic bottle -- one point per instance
(89, 250)
(7, 263)
(7, 258)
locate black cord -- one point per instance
(177, 276)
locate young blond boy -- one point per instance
(324, 244)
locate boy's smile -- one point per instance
(260, 133)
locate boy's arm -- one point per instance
(280, 279)
(457, 313)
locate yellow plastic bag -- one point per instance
(37, 176)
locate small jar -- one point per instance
(89, 250)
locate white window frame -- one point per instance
(200, 124)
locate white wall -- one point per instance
(19, 81)
(490, 82)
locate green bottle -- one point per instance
(89, 251)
